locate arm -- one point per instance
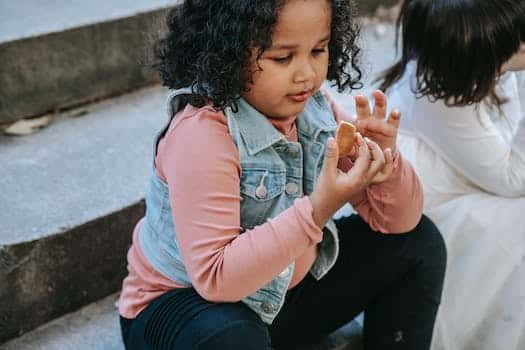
(471, 143)
(203, 182)
(394, 206)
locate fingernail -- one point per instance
(330, 143)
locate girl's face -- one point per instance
(296, 64)
(516, 62)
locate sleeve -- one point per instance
(394, 206)
(472, 144)
(201, 167)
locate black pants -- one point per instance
(396, 279)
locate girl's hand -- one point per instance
(334, 187)
(388, 159)
(373, 125)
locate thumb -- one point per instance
(331, 157)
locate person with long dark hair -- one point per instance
(460, 85)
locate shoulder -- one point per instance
(196, 121)
(195, 135)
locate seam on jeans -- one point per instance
(229, 325)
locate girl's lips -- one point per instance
(301, 97)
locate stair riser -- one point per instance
(46, 278)
(77, 66)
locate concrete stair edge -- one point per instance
(46, 278)
(77, 66)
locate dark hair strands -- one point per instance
(208, 46)
(459, 45)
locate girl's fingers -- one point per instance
(379, 105)
(378, 158)
(331, 157)
(388, 169)
(394, 118)
(362, 107)
(375, 126)
(362, 162)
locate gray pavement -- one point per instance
(29, 18)
(93, 327)
(78, 168)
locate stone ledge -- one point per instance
(77, 66)
(46, 278)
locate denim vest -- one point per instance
(274, 173)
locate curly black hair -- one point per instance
(208, 47)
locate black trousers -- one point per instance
(395, 279)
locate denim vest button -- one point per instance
(261, 192)
(267, 308)
(291, 188)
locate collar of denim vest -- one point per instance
(258, 133)
(173, 105)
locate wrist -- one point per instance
(321, 211)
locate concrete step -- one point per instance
(69, 52)
(71, 193)
(69, 197)
(96, 326)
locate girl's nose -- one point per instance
(304, 72)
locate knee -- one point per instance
(430, 240)
(430, 251)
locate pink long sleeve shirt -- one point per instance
(223, 264)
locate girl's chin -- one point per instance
(286, 110)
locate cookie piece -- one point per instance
(345, 137)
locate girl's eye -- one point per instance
(282, 59)
(319, 51)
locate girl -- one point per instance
(237, 249)
(461, 83)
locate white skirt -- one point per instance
(483, 303)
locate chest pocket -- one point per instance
(260, 192)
